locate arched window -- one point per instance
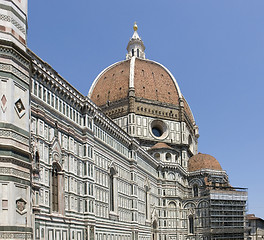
(172, 210)
(155, 224)
(154, 230)
(172, 205)
(195, 190)
(137, 52)
(54, 189)
(133, 53)
(203, 214)
(146, 201)
(168, 156)
(191, 225)
(37, 157)
(157, 156)
(111, 189)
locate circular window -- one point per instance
(168, 156)
(159, 129)
(157, 156)
(156, 131)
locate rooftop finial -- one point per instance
(135, 26)
(135, 46)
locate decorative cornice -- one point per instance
(50, 77)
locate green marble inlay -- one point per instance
(15, 229)
(15, 78)
(14, 179)
(15, 128)
(8, 152)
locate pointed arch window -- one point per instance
(154, 230)
(147, 209)
(137, 52)
(191, 225)
(37, 157)
(54, 189)
(111, 189)
(195, 190)
(146, 201)
(133, 52)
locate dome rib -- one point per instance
(158, 84)
(112, 84)
(170, 74)
(100, 74)
(188, 111)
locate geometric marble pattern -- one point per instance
(3, 101)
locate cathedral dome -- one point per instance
(146, 81)
(150, 80)
(203, 161)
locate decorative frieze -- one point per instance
(13, 70)
(17, 162)
(11, 134)
(14, 172)
(13, 54)
(13, 21)
(7, 235)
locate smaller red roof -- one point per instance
(203, 161)
(160, 145)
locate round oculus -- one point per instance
(159, 129)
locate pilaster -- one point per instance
(15, 156)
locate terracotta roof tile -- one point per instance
(153, 82)
(160, 145)
(112, 85)
(203, 161)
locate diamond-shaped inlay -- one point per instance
(3, 100)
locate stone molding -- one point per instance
(17, 162)
(14, 135)
(6, 51)
(6, 235)
(14, 172)
(14, 70)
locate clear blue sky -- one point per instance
(215, 50)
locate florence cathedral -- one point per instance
(119, 164)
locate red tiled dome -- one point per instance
(203, 161)
(151, 81)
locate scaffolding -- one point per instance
(227, 208)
